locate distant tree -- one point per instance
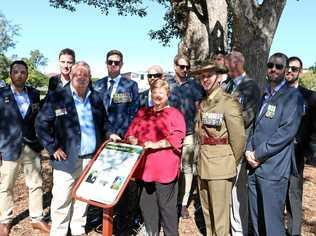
(207, 25)
(7, 33)
(36, 59)
(4, 67)
(308, 80)
(313, 68)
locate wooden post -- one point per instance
(107, 221)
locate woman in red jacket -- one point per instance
(160, 129)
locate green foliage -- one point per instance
(123, 7)
(4, 67)
(7, 33)
(308, 80)
(313, 68)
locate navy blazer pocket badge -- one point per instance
(60, 112)
(270, 111)
(212, 119)
(35, 107)
(7, 100)
(121, 98)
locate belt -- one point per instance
(86, 156)
(206, 140)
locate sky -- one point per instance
(92, 34)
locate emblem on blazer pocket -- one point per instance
(60, 112)
(35, 107)
(7, 100)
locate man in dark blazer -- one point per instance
(19, 147)
(304, 140)
(270, 149)
(71, 125)
(246, 91)
(121, 101)
(66, 60)
(120, 95)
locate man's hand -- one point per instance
(115, 138)
(251, 158)
(132, 140)
(59, 155)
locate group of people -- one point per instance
(247, 150)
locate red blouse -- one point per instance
(159, 165)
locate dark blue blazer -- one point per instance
(273, 136)
(14, 129)
(57, 126)
(120, 113)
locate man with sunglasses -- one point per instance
(270, 149)
(246, 91)
(154, 72)
(185, 94)
(121, 101)
(305, 145)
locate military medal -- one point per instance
(121, 98)
(212, 119)
(270, 111)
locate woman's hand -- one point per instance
(115, 138)
(132, 140)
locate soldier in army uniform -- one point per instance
(221, 137)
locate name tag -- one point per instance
(121, 98)
(212, 119)
(60, 112)
(270, 111)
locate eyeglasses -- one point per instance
(294, 68)
(270, 65)
(182, 67)
(157, 75)
(110, 62)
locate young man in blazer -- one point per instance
(305, 139)
(121, 101)
(71, 125)
(270, 149)
(66, 60)
(19, 147)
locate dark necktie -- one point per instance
(112, 81)
(230, 87)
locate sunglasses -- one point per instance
(110, 62)
(294, 68)
(270, 65)
(157, 75)
(182, 67)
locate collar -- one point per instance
(268, 92)
(74, 93)
(14, 91)
(116, 79)
(213, 94)
(238, 79)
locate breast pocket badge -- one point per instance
(212, 119)
(121, 98)
(60, 112)
(271, 111)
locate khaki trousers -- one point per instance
(187, 162)
(215, 198)
(239, 204)
(30, 162)
(65, 211)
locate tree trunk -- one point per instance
(254, 26)
(206, 30)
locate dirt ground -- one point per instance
(193, 226)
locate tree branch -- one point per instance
(195, 9)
